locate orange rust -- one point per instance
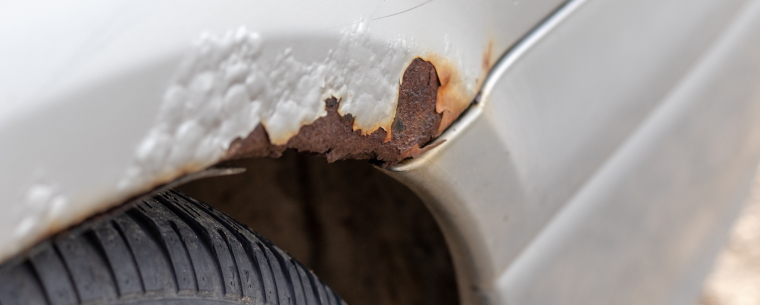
(452, 98)
(400, 147)
(388, 133)
(283, 139)
(416, 122)
(487, 62)
(416, 150)
(384, 125)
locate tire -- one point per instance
(167, 249)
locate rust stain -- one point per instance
(432, 94)
(488, 60)
(385, 125)
(453, 97)
(415, 123)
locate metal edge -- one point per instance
(506, 61)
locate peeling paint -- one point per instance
(222, 91)
(452, 96)
(224, 102)
(366, 79)
(455, 94)
(415, 124)
(166, 117)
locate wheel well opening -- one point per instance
(366, 235)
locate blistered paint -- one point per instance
(224, 88)
(95, 97)
(44, 202)
(222, 91)
(367, 79)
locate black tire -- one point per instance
(167, 249)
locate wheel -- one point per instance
(166, 249)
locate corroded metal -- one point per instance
(417, 121)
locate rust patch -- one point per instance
(452, 97)
(417, 121)
(487, 60)
(256, 144)
(432, 95)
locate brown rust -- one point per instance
(417, 121)
(453, 97)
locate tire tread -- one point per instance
(168, 247)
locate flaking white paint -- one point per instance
(224, 88)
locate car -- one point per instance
(566, 152)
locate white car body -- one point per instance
(611, 147)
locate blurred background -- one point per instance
(735, 279)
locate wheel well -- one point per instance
(365, 234)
